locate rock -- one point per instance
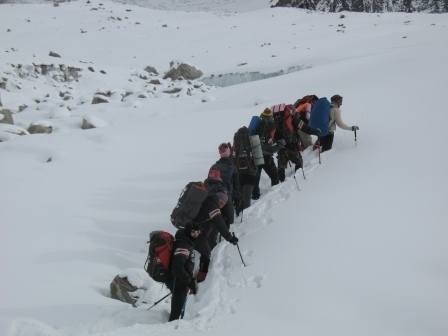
(89, 122)
(183, 70)
(6, 117)
(107, 93)
(126, 94)
(174, 90)
(142, 96)
(40, 128)
(155, 82)
(91, 69)
(86, 124)
(54, 54)
(151, 70)
(3, 82)
(103, 72)
(99, 99)
(23, 107)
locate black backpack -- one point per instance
(159, 255)
(244, 159)
(189, 204)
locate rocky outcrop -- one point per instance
(59, 72)
(183, 71)
(375, 6)
(151, 70)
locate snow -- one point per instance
(359, 250)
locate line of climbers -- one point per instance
(205, 210)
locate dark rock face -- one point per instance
(371, 6)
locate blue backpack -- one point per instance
(320, 115)
(254, 125)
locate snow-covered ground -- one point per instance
(359, 250)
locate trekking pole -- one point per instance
(294, 176)
(244, 264)
(318, 148)
(356, 140)
(158, 301)
(297, 183)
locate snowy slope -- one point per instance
(359, 250)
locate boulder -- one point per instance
(151, 70)
(6, 117)
(120, 288)
(89, 122)
(99, 99)
(54, 54)
(184, 71)
(40, 128)
(86, 124)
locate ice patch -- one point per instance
(235, 78)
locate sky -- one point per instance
(357, 248)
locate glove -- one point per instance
(318, 131)
(201, 276)
(193, 287)
(355, 128)
(233, 240)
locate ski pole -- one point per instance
(158, 301)
(303, 173)
(244, 264)
(242, 213)
(355, 138)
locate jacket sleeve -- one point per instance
(217, 220)
(181, 256)
(338, 120)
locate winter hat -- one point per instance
(214, 174)
(224, 150)
(337, 99)
(267, 113)
(222, 198)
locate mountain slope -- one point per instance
(359, 250)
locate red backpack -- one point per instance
(283, 117)
(159, 255)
